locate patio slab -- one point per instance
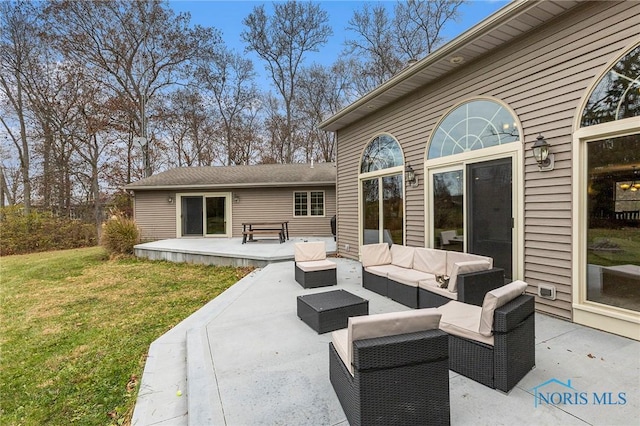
(252, 361)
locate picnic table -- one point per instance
(279, 229)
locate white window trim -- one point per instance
(309, 215)
(593, 314)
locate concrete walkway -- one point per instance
(246, 359)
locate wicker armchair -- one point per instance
(400, 378)
(493, 344)
(312, 269)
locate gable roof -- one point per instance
(510, 22)
(262, 175)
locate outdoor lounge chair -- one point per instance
(312, 269)
(493, 344)
(392, 369)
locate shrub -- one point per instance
(41, 231)
(119, 235)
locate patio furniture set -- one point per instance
(393, 368)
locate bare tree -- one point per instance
(18, 46)
(282, 40)
(322, 92)
(141, 46)
(383, 45)
(229, 79)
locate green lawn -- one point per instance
(75, 328)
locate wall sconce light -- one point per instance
(410, 176)
(542, 155)
(236, 198)
(170, 199)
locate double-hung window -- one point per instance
(308, 203)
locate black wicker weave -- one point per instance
(512, 356)
(402, 293)
(330, 310)
(374, 282)
(472, 288)
(398, 380)
(325, 278)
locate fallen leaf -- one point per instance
(591, 356)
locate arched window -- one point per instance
(382, 191)
(473, 125)
(383, 152)
(617, 95)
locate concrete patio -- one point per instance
(225, 251)
(247, 359)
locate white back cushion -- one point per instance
(495, 299)
(306, 252)
(454, 257)
(390, 324)
(375, 254)
(430, 260)
(402, 256)
(464, 268)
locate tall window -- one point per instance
(308, 203)
(473, 125)
(382, 195)
(613, 187)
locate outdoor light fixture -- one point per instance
(542, 155)
(236, 198)
(410, 176)
(170, 199)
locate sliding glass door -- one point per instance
(472, 210)
(205, 215)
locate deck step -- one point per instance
(204, 404)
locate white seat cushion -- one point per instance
(384, 270)
(375, 254)
(402, 256)
(410, 277)
(462, 320)
(434, 287)
(495, 299)
(340, 341)
(316, 265)
(305, 252)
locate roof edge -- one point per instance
(490, 23)
(229, 186)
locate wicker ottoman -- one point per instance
(331, 310)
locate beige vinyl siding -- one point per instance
(155, 216)
(276, 204)
(543, 77)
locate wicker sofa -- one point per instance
(392, 369)
(409, 275)
(493, 344)
(312, 269)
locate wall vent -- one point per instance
(547, 291)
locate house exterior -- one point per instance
(560, 75)
(215, 201)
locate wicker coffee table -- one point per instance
(330, 310)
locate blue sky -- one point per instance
(227, 17)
